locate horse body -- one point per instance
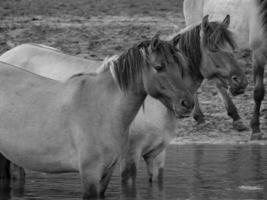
(19, 124)
(41, 114)
(82, 123)
(250, 28)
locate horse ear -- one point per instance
(205, 22)
(226, 20)
(176, 39)
(155, 42)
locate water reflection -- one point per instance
(193, 172)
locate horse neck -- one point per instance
(116, 108)
(157, 115)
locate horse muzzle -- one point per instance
(183, 110)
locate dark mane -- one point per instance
(215, 37)
(263, 13)
(129, 65)
(189, 43)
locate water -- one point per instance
(192, 172)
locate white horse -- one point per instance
(249, 24)
(81, 124)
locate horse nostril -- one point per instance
(185, 104)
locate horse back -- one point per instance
(48, 62)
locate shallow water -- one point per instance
(192, 172)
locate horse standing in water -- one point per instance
(81, 125)
(153, 127)
(250, 28)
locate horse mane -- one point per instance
(215, 37)
(127, 68)
(262, 4)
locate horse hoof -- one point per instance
(258, 136)
(239, 125)
(200, 120)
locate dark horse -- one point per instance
(250, 29)
(217, 46)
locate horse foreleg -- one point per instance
(106, 178)
(129, 165)
(197, 113)
(158, 167)
(258, 72)
(232, 111)
(155, 165)
(90, 176)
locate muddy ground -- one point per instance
(98, 28)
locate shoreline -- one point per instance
(211, 141)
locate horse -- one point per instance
(153, 128)
(250, 28)
(81, 124)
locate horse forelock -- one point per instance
(262, 4)
(217, 35)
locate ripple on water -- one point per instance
(250, 188)
(192, 172)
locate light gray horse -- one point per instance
(81, 125)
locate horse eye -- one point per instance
(159, 68)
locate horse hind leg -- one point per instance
(90, 176)
(258, 72)
(106, 179)
(232, 111)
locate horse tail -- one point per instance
(262, 5)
